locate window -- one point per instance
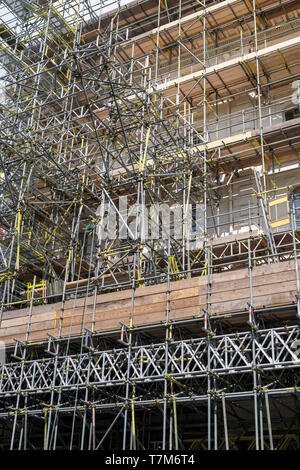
(278, 212)
(292, 114)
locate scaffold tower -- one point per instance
(149, 224)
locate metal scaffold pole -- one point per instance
(149, 225)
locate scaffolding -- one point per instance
(129, 111)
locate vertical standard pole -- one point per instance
(157, 44)
(255, 393)
(171, 431)
(133, 429)
(261, 421)
(129, 355)
(225, 421)
(22, 367)
(175, 423)
(269, 419)
(251, 307)
(259, 92)
(208, 399)
(94, 426)
(166, 351)
(215, 423)
(294, 226)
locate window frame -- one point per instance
(284, 220)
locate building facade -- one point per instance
(150, 224)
